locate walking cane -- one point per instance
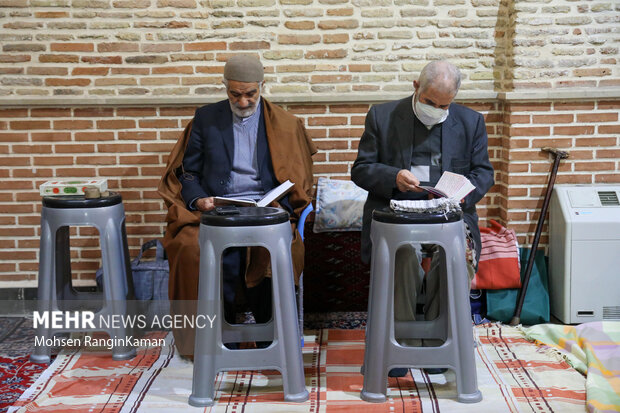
(559, 155)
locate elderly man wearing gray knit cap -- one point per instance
(241, 147)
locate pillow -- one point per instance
(339, 206)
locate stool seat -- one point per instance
(55, 291)
(79, 201)
(251, 227)
(453, 325)
(247, 216)
(400, 217)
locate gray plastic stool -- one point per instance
(55, 292)
(268, 228)
(389, 231)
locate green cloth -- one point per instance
(594, 350)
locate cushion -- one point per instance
(339, 206)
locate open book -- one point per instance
(273, 195)
(451, 185)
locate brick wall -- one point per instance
(104, 87)
(176, 47)
(129, 146)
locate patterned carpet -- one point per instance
(17, 373)
(514, 375)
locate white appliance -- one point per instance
(584, 253)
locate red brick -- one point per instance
(573, 130)
(204, 46)
(342, 156)
(330, 168)
(527, 107)
(608, 153)
(335, 38)
(94, 136)
(102, 60)
(119, 171)
(567, 118)
(51, 137)
(174, 69)
(137, 135)
(96, 112)
(58, 58)
(597, 117)
(306, 109)
(326, 121)
(330, 79)
(90, 71)
(73, 124)
(156, 147)
(611, 104)
(116, 124)
(349, 108)
(76, 171)
(30, 124)
(359, 68)
(139, 159)
(130, 71)
(13, 184)
(32, 173)
(325, 145)
(574, 179)
(533, 131)
(51, 14)
(158, 123)
(305, 39)
(55, 160)
(72, 47)
(254, 45)
(50, 112)
(595, 142)
(573, 105)
(54, 71)
(554, 143)
(136, 112)
(117, 47)
(78, 148)
(95, 160)
(346, 133)
(611, 129)
(178, 111)
(13, 113)
(358, 120)
(595, 166)
(15, 161)
(607, 178)
(116, 147)
(299, 25)
(13, 137)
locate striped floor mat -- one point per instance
(514, 375)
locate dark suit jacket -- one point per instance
(386, 148)
(209, 154)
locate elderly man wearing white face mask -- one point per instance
(411, 142)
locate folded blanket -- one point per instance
(594, 350)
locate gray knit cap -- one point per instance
(244, 68)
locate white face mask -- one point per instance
(427, 114)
